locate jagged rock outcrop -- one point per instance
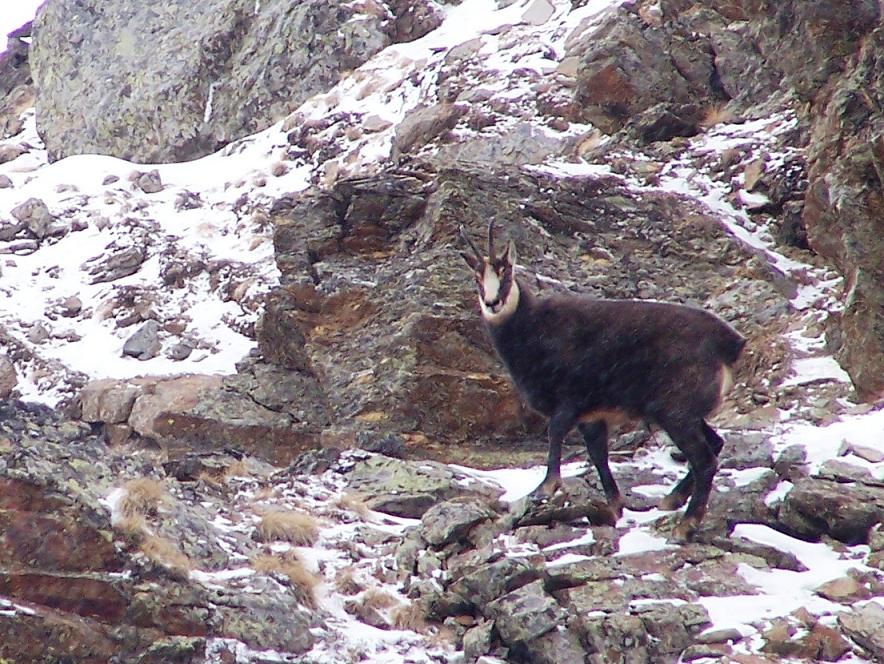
(663, 70)
(369, 273)
(16, 86)
(224, 70)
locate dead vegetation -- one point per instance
(346, 582)
(352, 502)
(131, 527)
(410, 616)
(291, 526)
(716, 114)
(303, 582)
(164, 552)
(144, 495)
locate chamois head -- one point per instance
(498, 290)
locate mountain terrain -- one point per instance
(249, 409)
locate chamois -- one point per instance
(594, 363)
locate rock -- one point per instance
(865, 625)
(558, 645)
(8, 377)
(845, 590)
(10, 152)
(218, 75)
(451, 520)
(489, 581)
(144, 344)
(538, 12)
(423, 126)
(157, 397)
(35, 215)
(107, 400)
(403, 489)
(477, 641)
(847, 231)
(180, 351)
(816, 507)
(149, 183)
(525, 614)
(5, 181)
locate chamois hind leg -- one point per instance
(559, 426)
(682, 491)
(595, 435)
(691, 439)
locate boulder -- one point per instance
(449, 521)
(865, 625)
(36, 216)
(847, 512)
(525, 614)
(219, 72)
(406, 489)
(8, 377)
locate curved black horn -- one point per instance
(466, 238)
(491, 240)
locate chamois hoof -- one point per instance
(684, 531)
(615, 507)
(545, 490)
(673, 502)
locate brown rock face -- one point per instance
(377, 305)
(662, 75)
(844, 210)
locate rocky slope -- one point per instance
(225, 338)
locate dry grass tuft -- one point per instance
(354, 503)
(165, 552)
(239, 468)
(143, 496)
(302, 580)
(288, 526)
(376, 598)
(133, 527)
(409, 616)
(716, 114)
(346, 582)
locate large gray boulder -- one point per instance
(172, 81)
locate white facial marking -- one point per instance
(490, 285)
(502, 310)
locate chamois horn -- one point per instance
(491, 255)
(466, 238)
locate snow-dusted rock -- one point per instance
(215, 73)
(8, 378)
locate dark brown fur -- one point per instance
(591, 363)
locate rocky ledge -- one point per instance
(129, 553)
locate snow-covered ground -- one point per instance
(212, 211)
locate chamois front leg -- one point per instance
(559, 426)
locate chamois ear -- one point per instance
(510, 254)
